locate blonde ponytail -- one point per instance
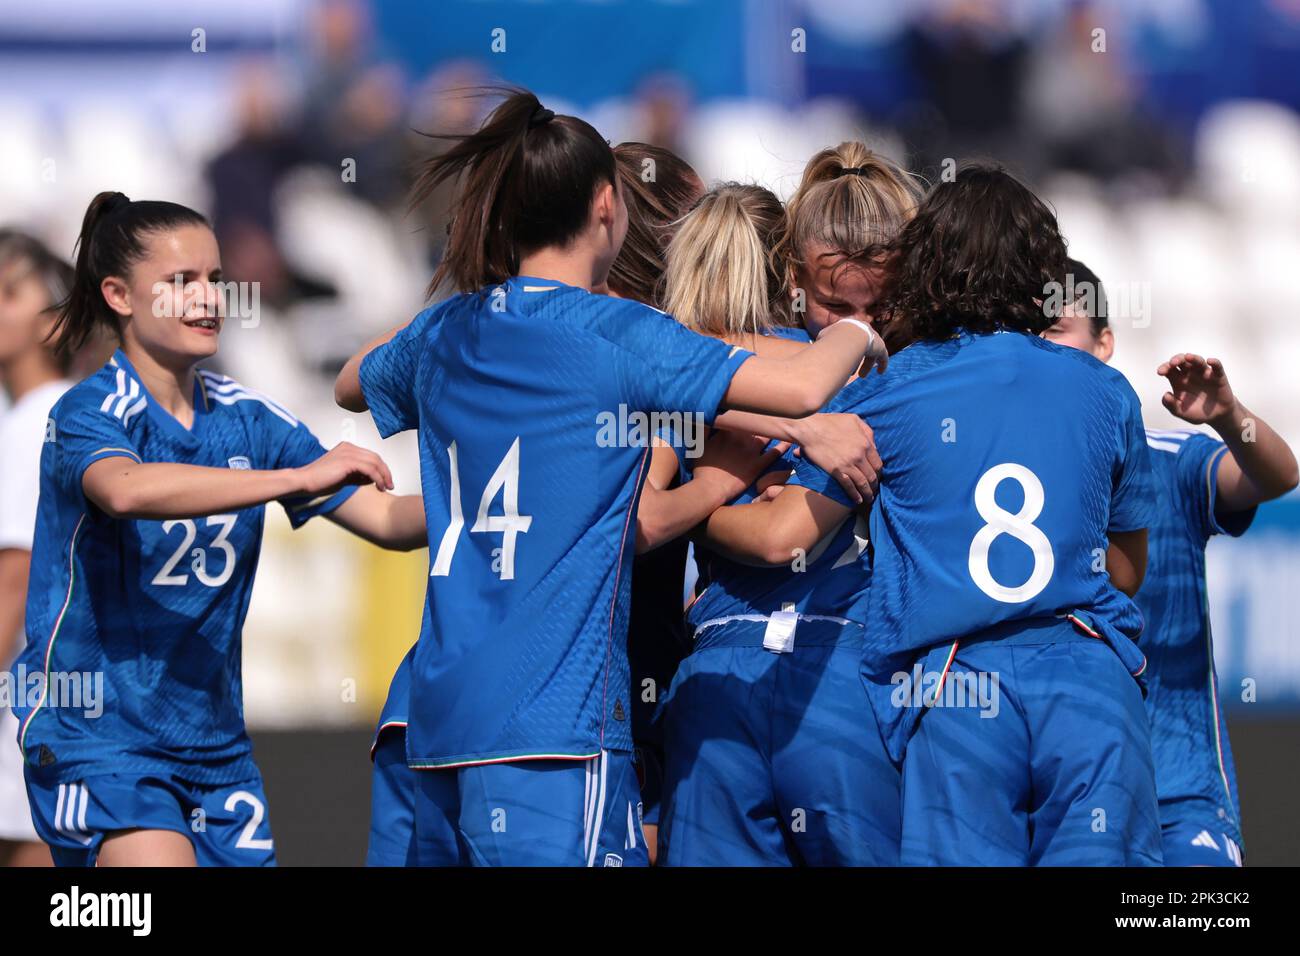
(850, 200)
(721, 277)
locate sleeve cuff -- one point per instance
(386, 418)
(302, 510)
(1232, 523)
(808, 475)
(722, 381)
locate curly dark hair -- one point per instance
(977, 256)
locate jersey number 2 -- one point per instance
(1019, 525)
(509, 524)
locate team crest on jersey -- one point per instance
(240, 462)
(613, 859)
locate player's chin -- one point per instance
(200, 336)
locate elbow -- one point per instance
(806, 400)
(118, 502)
(1291, 479)
(649, 535)
(347, 393)
(782, 547)
(1130, 579)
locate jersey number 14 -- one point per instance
(509, 524)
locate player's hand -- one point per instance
(344, 464)
(844, 447)
(733, 460)
(877, 356)
(1200, 392)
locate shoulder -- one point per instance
(1086, 366)
(112, 391)
(624, 323)
(227, 395)
(1174, 443)
(607, 309)
(906, 364)
(1077, 358)
(799, 334)
(431, 318)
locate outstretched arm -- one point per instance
(1259, 465)
(395, 522)
(122, 487)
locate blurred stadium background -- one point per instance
(1173, 159)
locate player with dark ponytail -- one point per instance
(154, 477)
(528, 392)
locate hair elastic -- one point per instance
(540, 115)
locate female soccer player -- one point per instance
(773, 754)
(531, 395)
(153, 480)
(999, 631)
(658, 188)
(32, 281)
(1205, 487)
(849, 204)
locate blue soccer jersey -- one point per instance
(531, 401)
(827, 582)
(132, 662)
(1007, 461)
(1195, 778)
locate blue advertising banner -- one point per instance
(1254, 586)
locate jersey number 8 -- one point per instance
(1019, 525)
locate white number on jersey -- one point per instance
(510, 523)
(1020, 526)
(246, 840)
(199, 557)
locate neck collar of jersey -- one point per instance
(537, 284)
(159, 414)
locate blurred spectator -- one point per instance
(1083, 106)
(244, 177)
(969, 59)
(664, 106)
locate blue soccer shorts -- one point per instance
(226, 824)
(392, 801)
(775, 759)
(1037, 754)
(582, 812)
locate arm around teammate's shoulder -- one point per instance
(802, 383)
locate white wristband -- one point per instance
(871, 333)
